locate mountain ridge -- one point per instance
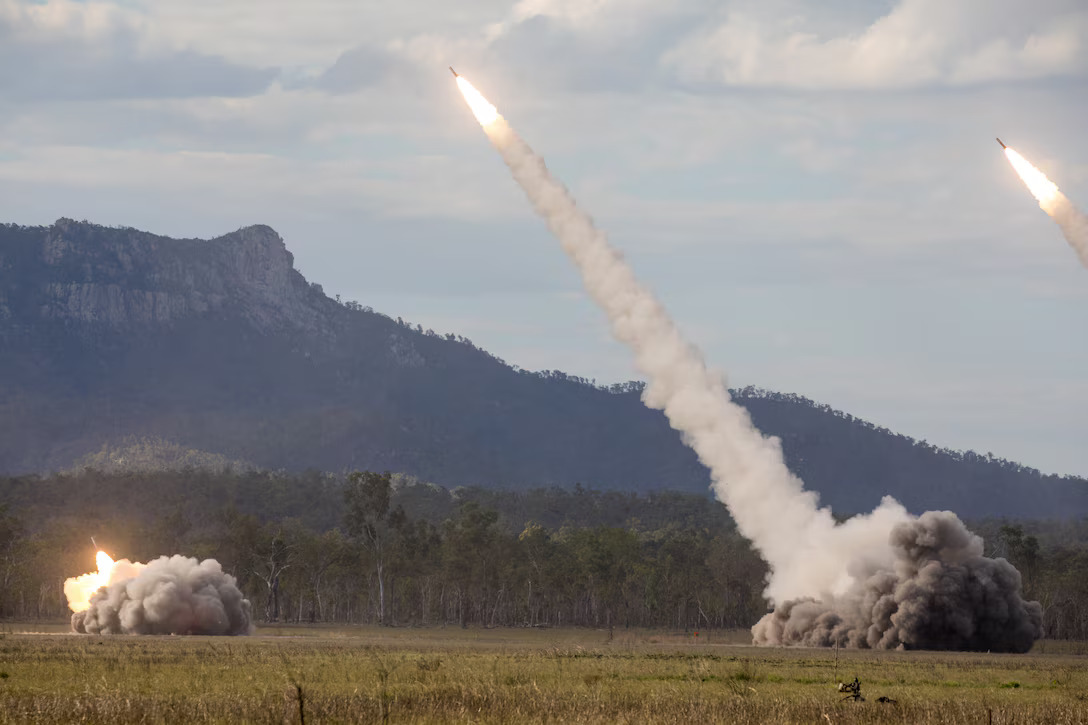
(223, 346)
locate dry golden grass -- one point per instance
(441, 675)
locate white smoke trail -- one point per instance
(1072, 221)
(886, 579)
(803, 546)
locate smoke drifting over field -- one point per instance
(170, 595)
(808, 553)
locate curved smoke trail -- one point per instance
(808, 553)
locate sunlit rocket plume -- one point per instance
(809, 555)
(485, 113)
(1072, 221)
(1043, 189)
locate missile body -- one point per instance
(1002, 144)
(95, 545)
(453, 71)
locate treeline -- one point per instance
(382, 548)
(382, 565)
(316, 499)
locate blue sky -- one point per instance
(812, 188)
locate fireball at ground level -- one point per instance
(169, 595)
(886, 565)
(80, 589)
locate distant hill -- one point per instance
(145, 455)
(223, 347)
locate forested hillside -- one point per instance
(222, 347)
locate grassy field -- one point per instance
(510, 675)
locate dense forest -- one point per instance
(377, 548)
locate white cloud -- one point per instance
(306, 34)
(918, 43)
(66, 18)
(595, 16)
(70, 50)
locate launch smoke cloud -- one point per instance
(808, 553)
(940, 593)
(170, 595)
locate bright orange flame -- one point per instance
(485, 113)
(1043, 189)
(79, 589)
(104, 562)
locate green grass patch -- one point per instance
(533, 676)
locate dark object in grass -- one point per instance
(301, 705)
(852, 690)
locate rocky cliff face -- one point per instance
(119, 278)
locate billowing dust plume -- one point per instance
(940, 593)
(1072, 221)
(170, 595)
(808, 553)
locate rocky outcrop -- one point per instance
(110, 304)
(119, 278)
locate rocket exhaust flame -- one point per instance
(1072, 221)
(80, 589)
(170, 595)
(1043, 189)
(485, 113)
(810, 556)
